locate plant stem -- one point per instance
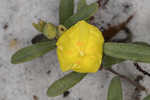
(138, 86)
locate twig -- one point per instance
(99, 3)
(137, 92)
(105, 3)
(128, 37)
(140, 87)
(102, 3)
(138, 67)
(111, 31)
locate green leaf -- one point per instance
(83, 14)
(108, 61)
(81, 4)
(147, 97)
(115, 90)
(141, 43)
(32, 52)
(66, 10)
(65, 83)
(129, 51)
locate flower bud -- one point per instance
(50, 31)
(61, 30)
(39, 26)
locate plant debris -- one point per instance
(139, 68)
(48, 72)
(128, 37)
(13, 43)
(113, 30)
(126, 8)
(102, 3)
(105, 3)
(35, 97)
(136, 94)
(99, 3)
(139, 78)
(39, 38)
(137, 85)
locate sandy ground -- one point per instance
(25, 81)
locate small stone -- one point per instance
(48, 72)
(35, 97)
(66, 93)
(5, 26)
(80, 99)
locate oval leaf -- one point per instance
(115, 89)
(83, 14)
(141, 43)
(129, 51)
(66, 10)
(81, 4)
(65, 83)
(147, 98)
(108, 61)
(32, 52)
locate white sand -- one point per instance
(23, 81)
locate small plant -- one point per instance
(82, 49)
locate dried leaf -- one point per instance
(13, 43)
(39, 38)
(102, 3)
(113, 30)
(105, 3)
(99, 2)
(128, 37)
(35, 97)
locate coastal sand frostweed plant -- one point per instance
(80, 48)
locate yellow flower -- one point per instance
(80, 48)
